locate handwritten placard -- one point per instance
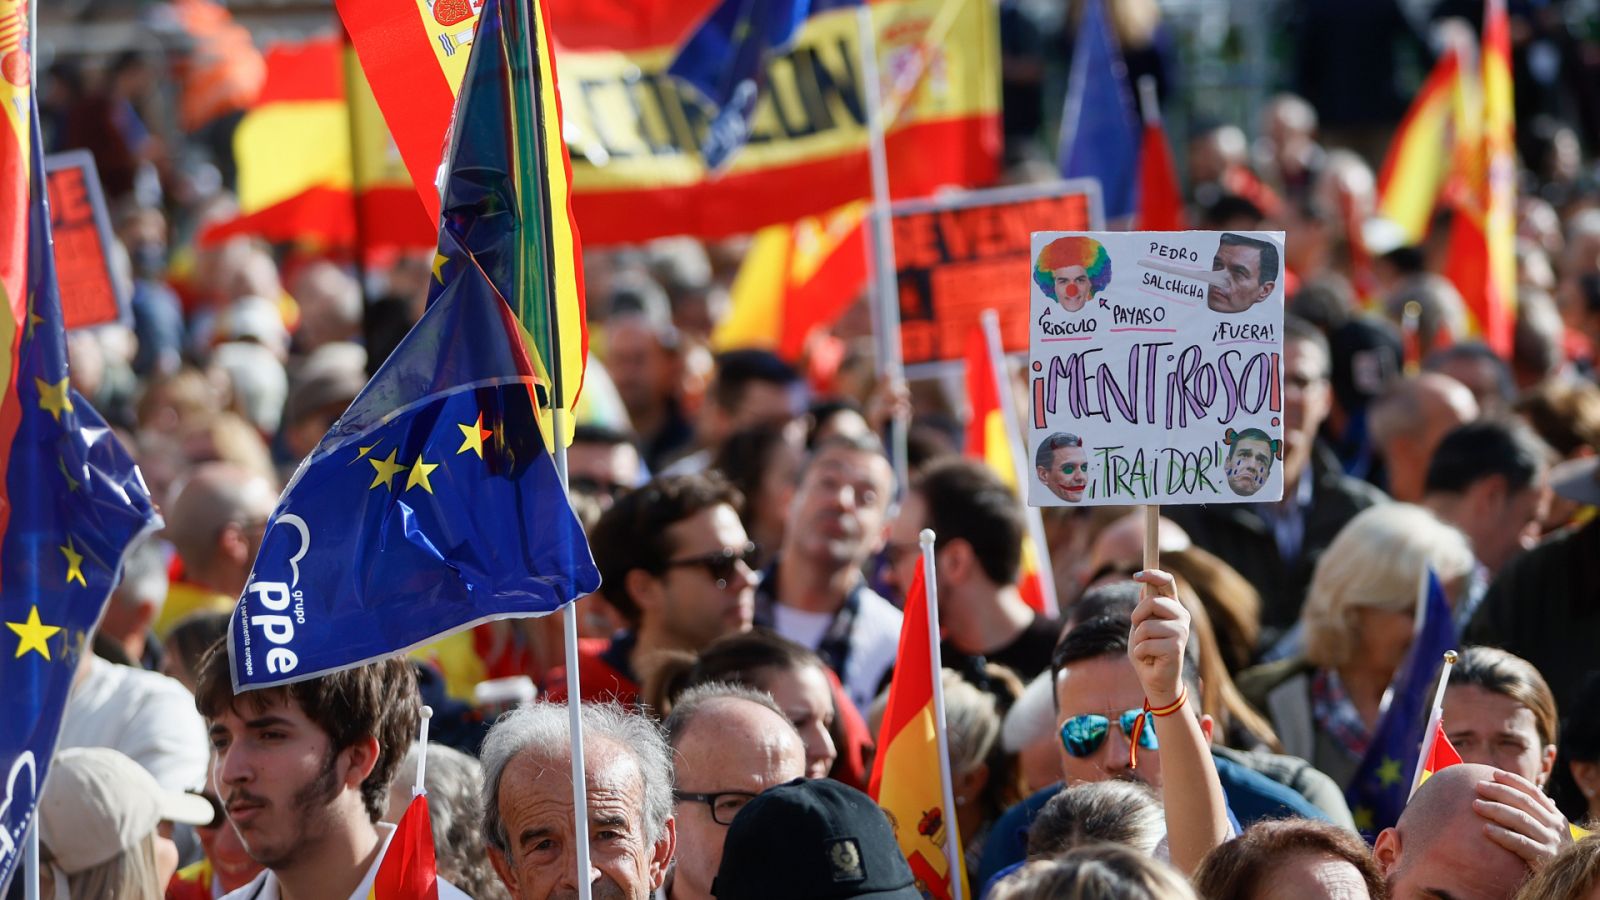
(1155, 367)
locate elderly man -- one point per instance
(1408, 423)
(729, 744)
(528, 809)
(1472, 832)
(215, 523)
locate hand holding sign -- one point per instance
(1160, 634)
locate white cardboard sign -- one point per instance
(1154, 367)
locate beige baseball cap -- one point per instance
(98, 803)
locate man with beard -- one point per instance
(675, 561)
(1063, 466)
(1275, 546)
(815, 593)
(303, 772)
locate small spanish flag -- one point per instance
(408, 871)
(1440, 754)
(907, 779)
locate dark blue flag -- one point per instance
(1100, 128)
(1382, 783)
(430, 506)
(74, 501)
(725, 60)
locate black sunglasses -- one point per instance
(721, 564)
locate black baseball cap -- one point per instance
(812, 840)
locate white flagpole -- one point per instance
(421, 787)
(952, 838)
(1019, 460)
(30, 850)
(885, 306)
(1435, 715)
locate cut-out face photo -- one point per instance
(1249, 461)
(1062, 465)
(1244, 270)
(1072, 270)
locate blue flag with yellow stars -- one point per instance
(431, 505)
(74, 501)
(1382, 783)
(725, 60)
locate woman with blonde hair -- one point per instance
(1357, 626)
(1095, 872)
(1573, 875)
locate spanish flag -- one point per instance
(408, 870)
(1481, 257)
(795, 278)
(315, 160)
(907, 777)
(1441, 753)
(1414, 169)
(1160, 206)
(993, 441)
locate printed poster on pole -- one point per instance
(1155, 364)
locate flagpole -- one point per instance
(558, 421)
(1435, 716)
(420, 787)
(360, 235)
(952, 837)
(1019, 462)
(30, 845)
(885, 307)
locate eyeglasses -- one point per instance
(724, 804)
(722, 564)
(1083, 735)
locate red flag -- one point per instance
(906, 775)
(408, 870)
(1441, 754)
(1160, 199)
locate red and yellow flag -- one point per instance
(408, 870)
(316, 163)
(795, 278)
(1481, 256)
(16, 96)
(1160, 206)
(906, 775)
(990, 441)
(1441, 753)
(1414, 169)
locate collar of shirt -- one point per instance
(1336, 715)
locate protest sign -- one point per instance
(958, 255)
(1154, 367)
(89, 295)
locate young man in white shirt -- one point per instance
(304, 771)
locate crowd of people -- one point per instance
(1184, 731)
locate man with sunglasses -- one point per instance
(729, 744)
(1129, 651)
(675, 561)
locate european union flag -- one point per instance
(1382, 783)
(725, 59)
(74, 501)
(1100, 129)
(430, 506)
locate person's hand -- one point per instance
(1160, 633)
(1519, 817)
(890, 401)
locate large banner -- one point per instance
(1154, 365)
(89, 293)
(634, 134)
(957, 255)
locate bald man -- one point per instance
(1408, 423)
(215, 523)
(1472, 832)
(728, 744)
